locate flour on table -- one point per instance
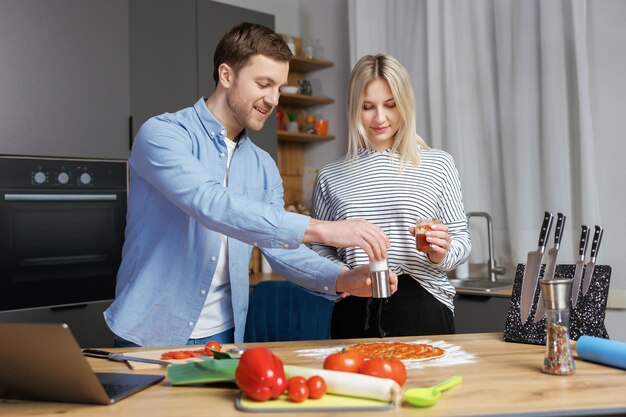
(455, 355)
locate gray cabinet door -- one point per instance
(480, 313)
(64, 83)
(163, 60)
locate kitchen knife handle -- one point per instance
(584, 240)
(558, 232)
(545, 229)
(595, 246)
(95, 353)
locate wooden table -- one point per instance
(505, 379)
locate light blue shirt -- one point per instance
(177, 209)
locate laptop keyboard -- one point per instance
(114, 390)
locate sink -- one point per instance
(479, 284)
(479, 278)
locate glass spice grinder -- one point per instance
(556, 296)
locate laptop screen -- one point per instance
(44, 362)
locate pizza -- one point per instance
(402, 351)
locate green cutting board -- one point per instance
(328, 402)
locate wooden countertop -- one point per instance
(504, 379)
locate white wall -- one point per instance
(608, 66)
(327, 20)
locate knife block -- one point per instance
(586, 319)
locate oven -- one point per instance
(61, 230)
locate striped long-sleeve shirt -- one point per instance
(373, 187)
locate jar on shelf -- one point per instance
(308, 48)
(291, 43)
(558, 358)
(304, 87)
(309, 124)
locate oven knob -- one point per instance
(39, 177)
(85, 178)
(63, 178)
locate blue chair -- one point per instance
(282, 311)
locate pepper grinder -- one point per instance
(379, 273)
(556, 296)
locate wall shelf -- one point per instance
(300, 137)
(291, 145)
(302, 64)
(302, 100)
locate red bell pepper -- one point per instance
(260, 374)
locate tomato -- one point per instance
(180, 355)
(385, 368)
(349, 361)
(317, 387)
(211, 345)
(399, 370)
(297, 389)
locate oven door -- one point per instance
(59, 248)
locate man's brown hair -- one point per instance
(245, 40)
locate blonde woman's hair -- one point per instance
(385, 67)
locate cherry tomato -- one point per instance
(317, 387)
(350, 361)
(298, 390)
(211, 345)
(382, 368)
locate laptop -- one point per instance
(44, 362)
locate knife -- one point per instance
(590, 266)
(103, 354)
(548, 272)
(531, 272)
(580, 264)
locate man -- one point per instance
(201, 194)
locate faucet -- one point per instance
(493, 268)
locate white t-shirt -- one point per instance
(217, 313)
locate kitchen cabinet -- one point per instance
(291, 145)
(171, 65)
(64, 78)
(480, 313)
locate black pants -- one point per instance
(411, 311)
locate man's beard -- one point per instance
(243, 114)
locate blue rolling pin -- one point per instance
(604, 351)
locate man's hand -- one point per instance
(357, 282)
(348, 233)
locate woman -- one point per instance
(391, 178)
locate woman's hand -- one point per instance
(439, 240)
